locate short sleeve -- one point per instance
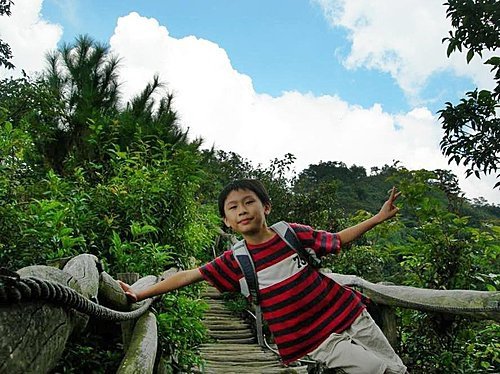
(322, 242)
(223, 273)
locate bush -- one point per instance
(181, 329)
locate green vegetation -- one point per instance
(472, 128)
(182, 328)
(5, 51)
(80, 173)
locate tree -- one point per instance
(442, 250)
(31, 107)
(355, 190)
(84, 77)
(5, 51)
(472, 128)
(147, 117)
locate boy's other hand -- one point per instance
(131, 295)
(389, 210)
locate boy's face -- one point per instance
(245, 213)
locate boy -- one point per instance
(307, 312)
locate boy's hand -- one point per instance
(389, 210)
(131, 295)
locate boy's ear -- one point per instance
(226, 222)
(267, 209)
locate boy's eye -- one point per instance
(232, 207)
(250, 202)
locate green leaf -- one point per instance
(8, 127)
(493, 61)
(470, 55)
(485, 364)
(451, 48)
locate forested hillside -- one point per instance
(82, 172)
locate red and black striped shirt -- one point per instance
(301, 306)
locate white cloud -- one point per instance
(402, 38)
(197, 70)
(219, 104)
(29, 36)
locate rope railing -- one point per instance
(14, 289)
(42, 306)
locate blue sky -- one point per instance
(357, 81)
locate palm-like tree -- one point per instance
(154, 118)
(83, 76)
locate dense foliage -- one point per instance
(5, 50)
(472, 128)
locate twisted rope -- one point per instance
(14, 289)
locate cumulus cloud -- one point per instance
(29, 36)
(402, 38)
(220, 104)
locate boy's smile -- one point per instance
(245, 213)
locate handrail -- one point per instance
(477, 304)
(14, 289)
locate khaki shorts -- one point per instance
(361, 349)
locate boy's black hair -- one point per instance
(253, 185)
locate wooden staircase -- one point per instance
(234, 348)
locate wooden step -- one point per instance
(229, 335)
(234, 349)
(226, 325)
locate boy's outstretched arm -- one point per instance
(387, 211)
(178, 280)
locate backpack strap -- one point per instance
(285, 231)
(244, 260)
